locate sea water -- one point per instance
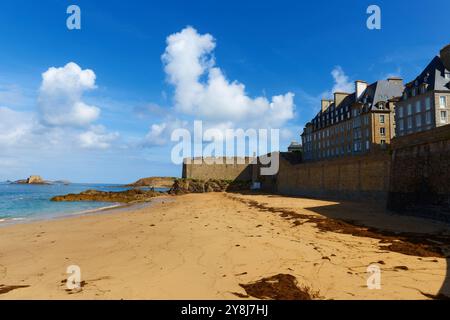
(20, 202)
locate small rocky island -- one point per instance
(128, 196)
(32, 180)
(39, 181)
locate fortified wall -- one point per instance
(239, 169)
(420, 179)
(354, 178)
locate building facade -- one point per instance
(295, 147)
(353, 124)
(425, 103)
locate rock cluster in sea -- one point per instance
(128, 196)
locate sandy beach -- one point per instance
(204, 246)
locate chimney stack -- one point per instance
(325, 104)
(445, 56)
(360, 87)
(339, 97)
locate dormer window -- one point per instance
(405, 95)
(413, 92)
(423, 89)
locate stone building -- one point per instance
(353, 124)
(295, 147)
(425, 103)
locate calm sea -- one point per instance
(19, 203)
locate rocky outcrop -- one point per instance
(183, 186)
(128, 196)
(32, 180)
(155, 182)
(35, 180)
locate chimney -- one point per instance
(445, 56)
(360, 87)
(339, 97)
(325, 104)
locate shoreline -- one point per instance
(113, 208)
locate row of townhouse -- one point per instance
(366, 120)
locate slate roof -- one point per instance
(380, 91)
(433, 75)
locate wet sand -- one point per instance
(219, 245)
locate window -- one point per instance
(409, 109)
(428, 117)
(401, 125)
(443, 102)
(443, 116)
(383, 131)
(418, 120)
(409, 122)
(383, 144)
(414, 92)
(381, 118)
(400, 112)
(367, 145)
(366, 120)
(418, 107)
(423, 89)
(427, 103)
(447, 75)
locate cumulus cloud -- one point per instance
(203, 91)
(61, 119)
(341, 81)
(60, 96)
(97, 137)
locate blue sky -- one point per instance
(272, 47)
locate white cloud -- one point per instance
(62, 119)
(97, 138)
(13, 96)
(60, 96)
(14, 126)
(160, 133)
(341, 81)
(202, 90)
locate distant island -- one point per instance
(37, 180)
